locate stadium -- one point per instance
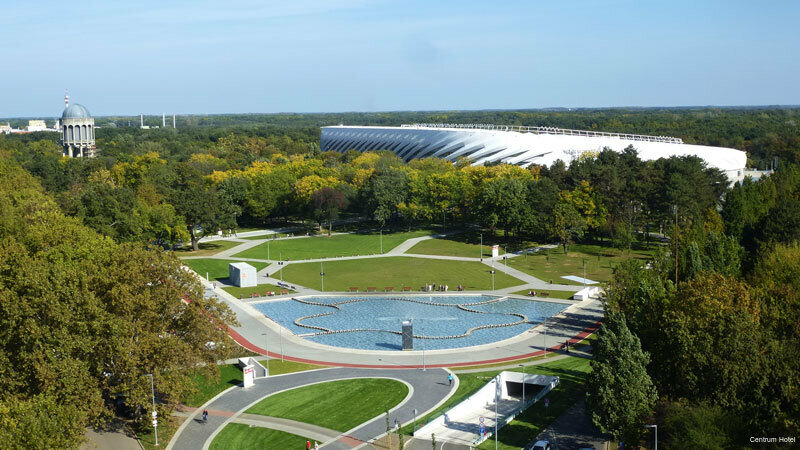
(518, 145)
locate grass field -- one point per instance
(206, 248)
(217, 269)
(466, 245)
(230, 375)
(553, 264)
(572, 373)
(337, 405)
(396, 271)
(264, 236)
(261, 289)
(327, 247)
(237, 436)
(565, 295)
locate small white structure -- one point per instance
(242, 274)
(495, 251)
(251, 371)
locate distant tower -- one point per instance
(173, 121)
(77, 131)
(163, 120)
(141, 120)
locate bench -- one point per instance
(544, 294)
(284, 292)
(371, 289)
(388, 289)
(353, 289)
(406, 288)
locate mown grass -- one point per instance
(336, 405)
(553, 264)
(464, 245)
(260, 290)
(313, 247)
(217, 269)
(237, 436)
(397, 272)
(206, 248)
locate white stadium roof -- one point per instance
(517, 145)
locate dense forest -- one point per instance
(706, 344)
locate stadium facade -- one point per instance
(521, 146)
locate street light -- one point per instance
(656, 430)
(381, 241)
(268, 258)
(280, 263)
(523, 384)
(280, 334)
(322, 276)
(492, 272)
(266, 350)
(496, 400)
(153, 392)
(481, 246)
(584, 273)
(544, 327)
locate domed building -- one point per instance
(77, 131)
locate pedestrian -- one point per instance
(316, 445)
(308, 445)
(205, 416)
(449, 379)
(396, 424)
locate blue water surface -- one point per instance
(388, 313)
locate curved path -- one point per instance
(427, 389)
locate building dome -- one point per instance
(75, 111)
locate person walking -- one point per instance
(316, 445)
(308, 445)
(449, 379)
(205, 416)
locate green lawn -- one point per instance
(337, 405)
(327, 247)
(572, 372)
(237, 436)
(553, 264)
(261, 289)
(396, 271)
(231, 375)
(217, 269)
(453, 246)
(565, 295)
(264, 236)
(206, 248)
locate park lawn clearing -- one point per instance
(231, 375)
(237, 436)
(336, 405)
(259, 290)
(552, 264)
(313, 247)
(397, 272)
(217, 269)
(206, 248)
(456, 245)
(564, 295)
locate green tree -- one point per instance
(503, 202)
(566, 224)
(620, 394)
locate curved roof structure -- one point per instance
(75, 111)
(522, 146)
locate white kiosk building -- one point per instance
(242, 274)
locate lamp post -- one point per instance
(656, 430)
(496, 400)
(281, 341)
(492, 272)
(505, 255)
(266, 350)
(381, 241)
(523, 384)
(584, 273)
(268, 258)
(280, 263)
(481, 246)
(544, 328)
(414, 427)
(322, 276)
(153, 393)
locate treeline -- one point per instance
(83, 319)
(715, 358)
(165, 200)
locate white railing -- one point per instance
(547, 130)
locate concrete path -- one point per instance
(115, 436)
(306, 430)
(427, 389)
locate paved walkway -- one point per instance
(306, 430)
(571, 430)
(427, 389)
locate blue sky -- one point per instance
(352, 55)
